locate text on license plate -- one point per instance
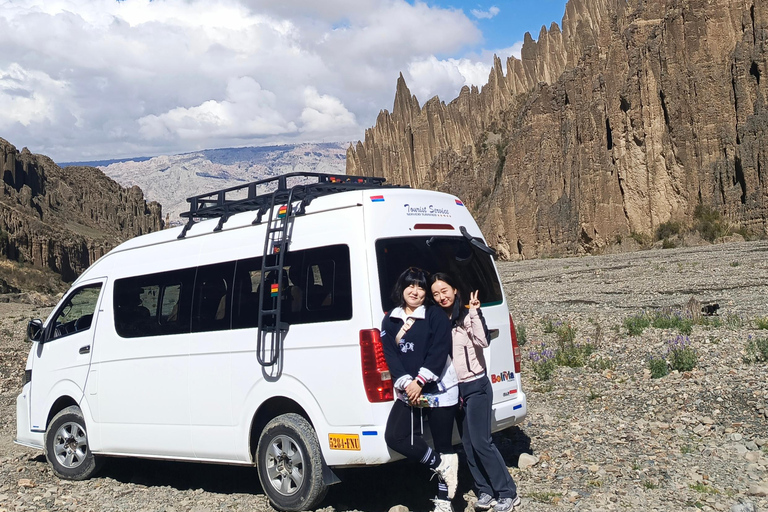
(344, 441)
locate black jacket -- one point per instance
(426, 344)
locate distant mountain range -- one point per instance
(171, 179)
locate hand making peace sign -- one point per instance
(474, 302)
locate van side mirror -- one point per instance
(35, 330)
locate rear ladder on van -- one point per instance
(282, 206)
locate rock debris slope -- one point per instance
(606, 436)
(629, 116)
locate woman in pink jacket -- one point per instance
(494, 486)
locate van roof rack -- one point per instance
(253, 197)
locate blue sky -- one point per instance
(102, 79)
(504, 23)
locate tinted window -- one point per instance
(154, 304)
(213, 297)
(469, 266)
(77, 312)
(316, 287)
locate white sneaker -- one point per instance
(507, 504)
(442, 505)
(484, 502)
(448, 472)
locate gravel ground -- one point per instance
(605, 436)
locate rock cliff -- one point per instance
(628, 117)
(64, 219)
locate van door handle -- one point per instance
(85, 349)
(494, 333)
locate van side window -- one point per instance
(213, 297)
(321, 283)
(76, 314)
(154, 304)
(317, 287)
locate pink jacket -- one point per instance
(468, 343)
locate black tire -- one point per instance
(66, 446)
(290, 464)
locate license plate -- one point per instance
(344, 441)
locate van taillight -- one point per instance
(515, 346)
(376, 377)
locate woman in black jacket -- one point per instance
(417, 346)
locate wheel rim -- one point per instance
(285, 465)
(70, 446)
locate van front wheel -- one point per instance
(66, 446)
(290, 463)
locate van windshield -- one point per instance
(468, 265)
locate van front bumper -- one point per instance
(25, 436)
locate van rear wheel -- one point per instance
(290, 463)
(66, 446)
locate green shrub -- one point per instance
(668, 319)
(658, 367)
(543, 362)
(681, 355)
(668, 244)
(757, 350)
(640, 238)
(708, 223)
(733, 321)
(522, 336)
(574, 355)
(636, 324)
(565, 334)
(548, 325)
(667, 230)
(761, 322)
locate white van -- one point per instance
(250, 335)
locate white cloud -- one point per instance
(29, 96)
(325, 114)
(485, 15)
(445, 78)
(247, 112)
(87, 79)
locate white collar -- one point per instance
(419, 314)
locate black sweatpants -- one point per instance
(485, 462)
(404, 431)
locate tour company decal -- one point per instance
(429, 210)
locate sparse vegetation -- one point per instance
(667, 230)
(703, 488)
(640, 238)
(636, 324)
(548, 325)
(544, 497)
(757, 350)
(649, 485)
(658, 367)
(681, 355)
(522, 336)
(543, 362)
(761, 322)
(669, 319)
(708, 223)
(668, 244)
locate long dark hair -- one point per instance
(458, 311)
(411, 275)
